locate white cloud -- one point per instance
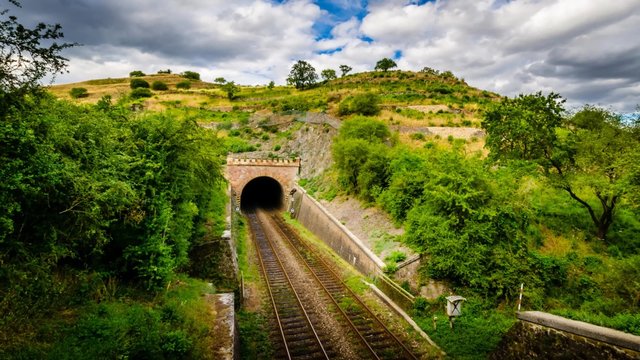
(585, 50)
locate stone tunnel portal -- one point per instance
(263, 192)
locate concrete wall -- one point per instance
(546, 336)
(324, 225)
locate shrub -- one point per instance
(159, 85)
(138, 93)
(183, 85)
(78, 92)
(191, 75)
(417, 136)
(277, 147)
(138, 83)
(364, 104)
(136, 73)
(396, 257)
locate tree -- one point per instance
(219, 80)
(136, 73)
(364, 104)
(302, 75)
(159, 85)
(271, 85)
(192, 75)
(385, 64)
(78, 92)
(24, 59)
(231, 89)
(344, 69)
(328, 74)
(590, 155)
(138, 83)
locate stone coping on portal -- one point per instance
(263, 162)
(607, 335)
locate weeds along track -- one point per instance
(378, 342)
(299, 337)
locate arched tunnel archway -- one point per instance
(262, 192)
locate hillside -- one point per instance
(419, 156)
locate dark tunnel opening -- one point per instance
(262, 192)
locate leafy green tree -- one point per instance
(140, 92)
(385, 64)
(328, 74)
(472, 231)
(219, 80)
(78, 92)
(271, 85)
(138, 83)
(361, 156)
(231, 89)
(136, 73)
(159, 85)
(302, 75)
(363, 104)
(588, 155)
(191, 75)
(344, 70)
(27, 56)
(185, 85)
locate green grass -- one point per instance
(254, 336)
(476, 332)
(175, 323)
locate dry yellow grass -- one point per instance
(201, 94)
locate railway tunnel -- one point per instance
(263, 192)
(261, 183)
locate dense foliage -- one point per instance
(482, 227)
(91, 187)
(362, 104)
(191, 75)
(302, 75)
(385, 64)
(138, 83)
(590, 154)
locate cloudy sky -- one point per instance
(586, 50)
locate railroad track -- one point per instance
(300, 340)
(378, 342)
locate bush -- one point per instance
(277, 147)
(191, 75)
(138, 83)
(140, 93)
(183, 85)
(364, 104)
(159, 85)
(136, 73)
(78, 92)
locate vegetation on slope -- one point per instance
(100, 209)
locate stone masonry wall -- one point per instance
(544, 336)
(240, 171)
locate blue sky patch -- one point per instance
(339, 11)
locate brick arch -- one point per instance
(239, 172)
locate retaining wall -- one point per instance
(325, 226)
(545, 336)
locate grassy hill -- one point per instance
(485, 228)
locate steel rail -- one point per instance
(258, 222)
(291, 234)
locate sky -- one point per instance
(588, 51)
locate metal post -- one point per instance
(520, 299)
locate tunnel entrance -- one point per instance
(262, 192)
